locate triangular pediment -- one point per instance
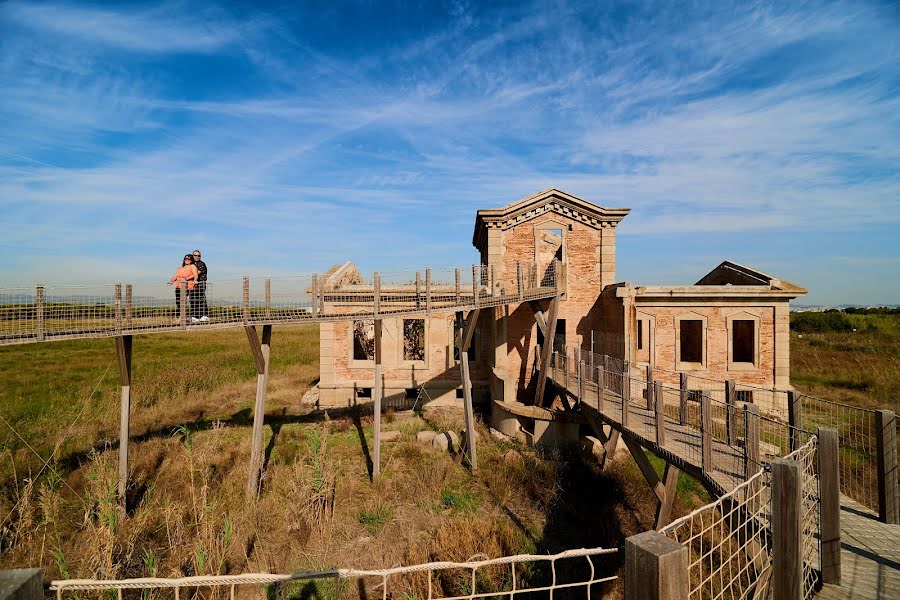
(732, 273)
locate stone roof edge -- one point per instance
(767, 279)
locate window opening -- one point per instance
(413, 339)
(559, 340)
(691, 341)
(364, 340)
(364, 392)
(743, 341)
(745, 396)
(640, 334)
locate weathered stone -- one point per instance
(446, 441)
(426, 437)
(390, 436)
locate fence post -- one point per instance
(729, 412)
(751, 440)
(830, 505)
(182, 295)
(458, 293)
(626, 392)
(418, 290)
(492, 274)
(520, 282)
(428, 291)
(795, 418)
(39, 307)
(577, 357)
(705, 434)
(656, 568)
(128, 290)
(268, 298)
(648, 375)
(376, 291)
(22, 584)
(118, 307)
(787, 556)
(601, 387)
(886, 446)
(660, 410)
(682, 397)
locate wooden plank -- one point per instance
(682, 397)
(128, 303)
(428, 291)
(258, 350)
(795, 418)
(376, 400)
(418, 290)
(886, 459)
(830, 505)
(610, 446)
(118, 309)
(664, 508)
(314, 295)
(39, 309)
(705, 434)
(458, 291)
(656, 568)
(540, 318)
(655, 392)
(751, 440)
(469, 412)
(255, 349)
(268, 298)
(123, 351)
(647, 470)
(545, 353)
(730, 419)
(376, 294)
(787, 529)
(469, 329)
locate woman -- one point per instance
(187, 273)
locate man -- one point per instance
(202, 308)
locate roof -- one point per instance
(550, 200)
(732, 273)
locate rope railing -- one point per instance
(508, 576)
(47, 313)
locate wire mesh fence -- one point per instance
(578, 572)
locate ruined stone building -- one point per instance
(731, 324)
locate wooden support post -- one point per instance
(377, 390)
(123, 350)
(886, 448)
(656, 568)
(705, 434)
(730, 420)
(648, 376)
(787, 530)
(128, 293)
(601, 388)
(268, 299)
(245, 300)
(458, 292)
(611, 445)
(39, 309)
(682, 398)
(520, 281)
(664, 507)
(464, 342)
(376, 294)
(493, 282)
(830, 505)
(428, 291)
(546, 351)
(577, 372)
(182, 295)
(647, 470)
(475, 283)
(655, 392)
(22, 584)
(626, 391)
(118, 307)
(418, 290)
(751, 440)
(260, 351)
(795, 418)
(314, 295)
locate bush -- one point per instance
(820, 322)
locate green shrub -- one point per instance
(820, 322)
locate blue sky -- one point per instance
(285, 139)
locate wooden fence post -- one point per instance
(128, 295)
(601, 385)
(39, 309)
(682, 397)
(245, 299)
(751, 440)
(520, 281)
(418, 290)
(268, 299)
(648, 376)
(22, 584)
(886, 447)
(428, 291)
(458, 292)
(123, 351)
(705, 434)
(376, 294)
(830, 505)
(795, 418)
(626, 392)
(475, 286)
(118, 307)
(787, 530)
(376, 395)
(656, 392)
(493, 282)
(656, 568)
(730, 436)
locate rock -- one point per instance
(390, 436)
(446, 441)
(499, 435)
(425, 437)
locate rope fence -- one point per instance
(508, 576)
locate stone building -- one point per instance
(732, 324)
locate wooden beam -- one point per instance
(260, 352)
(469, 330)
(39, 308)
(245, 300)
(118, 307)
(540, 317)
(787, 530)
(123, 350)
(751, 440)
(637, 453)
(610, 445)
(730, 416)
(886, 458)
(268, 298)
(376, 400)
(705, 434)
(795, 418)
(664, 508)
(682, 398)
(546, 351)
(830, 505)
(428, 291)
(128, 294)
(467, 390)
(656, 568)
(655, 393)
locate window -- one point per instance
(364, 340)
(640, 334)
(691, 340)
(459, 326)
(745, 396)
(742, 339)
(559, 340)
(413, 339)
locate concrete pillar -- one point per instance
(22, 584)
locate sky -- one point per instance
(285, 138)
